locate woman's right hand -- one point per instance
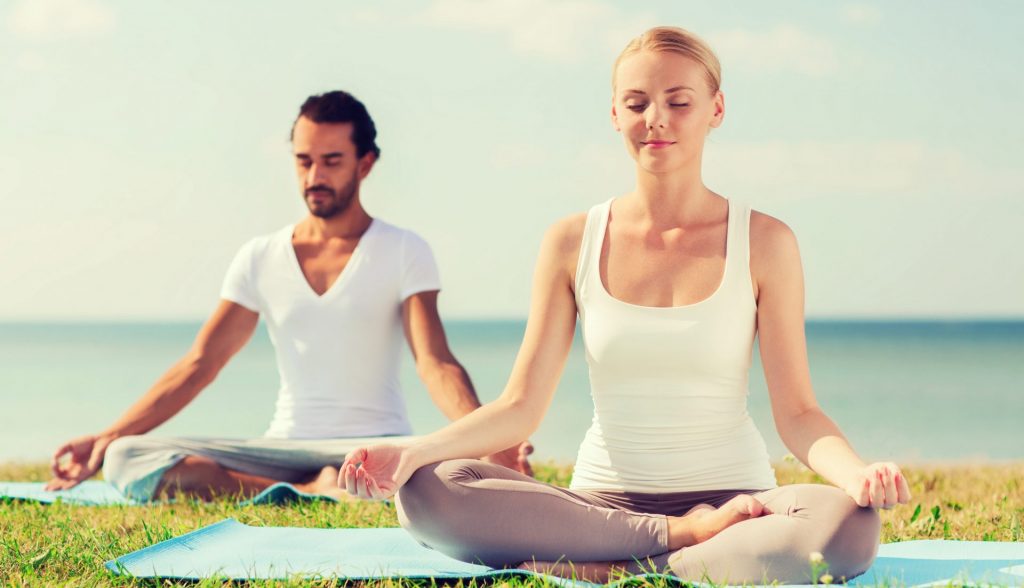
(376, 472)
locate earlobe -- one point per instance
(615, 119)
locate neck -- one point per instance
(350, 224)
(673, 198)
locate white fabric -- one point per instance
(670, 384)
(338, 354)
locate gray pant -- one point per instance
(134, 465)
(482, 513)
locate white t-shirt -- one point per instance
(338, 354)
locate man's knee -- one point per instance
(118, 458)
(135, 464)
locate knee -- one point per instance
(851, 548)
(118, 457)
(427, 503)
(135, 464)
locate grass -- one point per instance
(67, 545)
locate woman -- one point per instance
(671, 283)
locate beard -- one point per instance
(338, 203)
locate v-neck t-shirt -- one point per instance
(338, 354)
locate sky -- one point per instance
(142, 143)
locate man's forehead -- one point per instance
(310, 135)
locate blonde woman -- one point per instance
(671, 283)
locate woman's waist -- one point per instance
(683, 470)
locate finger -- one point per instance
(355, 457)
(375, 490)
(350, 479)
(902, 489)
(863, 497)
(361, 481)
(55, 466)
(877, 493)
(889, 487)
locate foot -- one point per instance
(324, 484)
(703, 521)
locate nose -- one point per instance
(314, 175)
(654, 116)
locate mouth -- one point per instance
(657, 144)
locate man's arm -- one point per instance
(446, 380)
(223, 335)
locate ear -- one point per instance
(365, 164)
(615, 118)
(719, 110)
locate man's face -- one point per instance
(327, 167)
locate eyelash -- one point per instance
(640, 108)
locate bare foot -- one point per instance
(703, 521)
(324, 484)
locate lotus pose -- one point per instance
(671, 283)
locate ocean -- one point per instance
(910, 392)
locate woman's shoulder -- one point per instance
(566, 233)
(771, 241)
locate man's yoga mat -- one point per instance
(97, 493)
(229, 549)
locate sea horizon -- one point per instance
(914, 390)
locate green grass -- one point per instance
(67, 545)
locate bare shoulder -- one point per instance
(567, 233)
(772, 244)
(561, 246)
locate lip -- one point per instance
(657, 144)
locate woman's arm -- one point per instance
(805, 429)
(378, 472)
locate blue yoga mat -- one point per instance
(231, 550)
(97, 493)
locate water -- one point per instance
(911, 392)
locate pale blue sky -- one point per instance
(142, 143)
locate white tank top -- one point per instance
(669, 384)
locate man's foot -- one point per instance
(324, 484)
(703, 521)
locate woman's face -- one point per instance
(664, 109)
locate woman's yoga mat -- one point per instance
(231, 550)
(97, 493)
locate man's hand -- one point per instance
(514, 458)
(77, 460)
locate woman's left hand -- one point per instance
(879, 485)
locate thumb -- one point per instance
(96, 459)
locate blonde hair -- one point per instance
(679, 41)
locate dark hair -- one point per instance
(341, 107)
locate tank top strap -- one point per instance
(590, 246)
(738, 247)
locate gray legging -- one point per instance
(482, 513)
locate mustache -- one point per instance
(320, 188)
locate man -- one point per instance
(337, 290)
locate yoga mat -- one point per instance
(231, 550)
(97, 493)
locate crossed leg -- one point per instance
(482, 513)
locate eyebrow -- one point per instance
(669, 91)
(324, 156)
